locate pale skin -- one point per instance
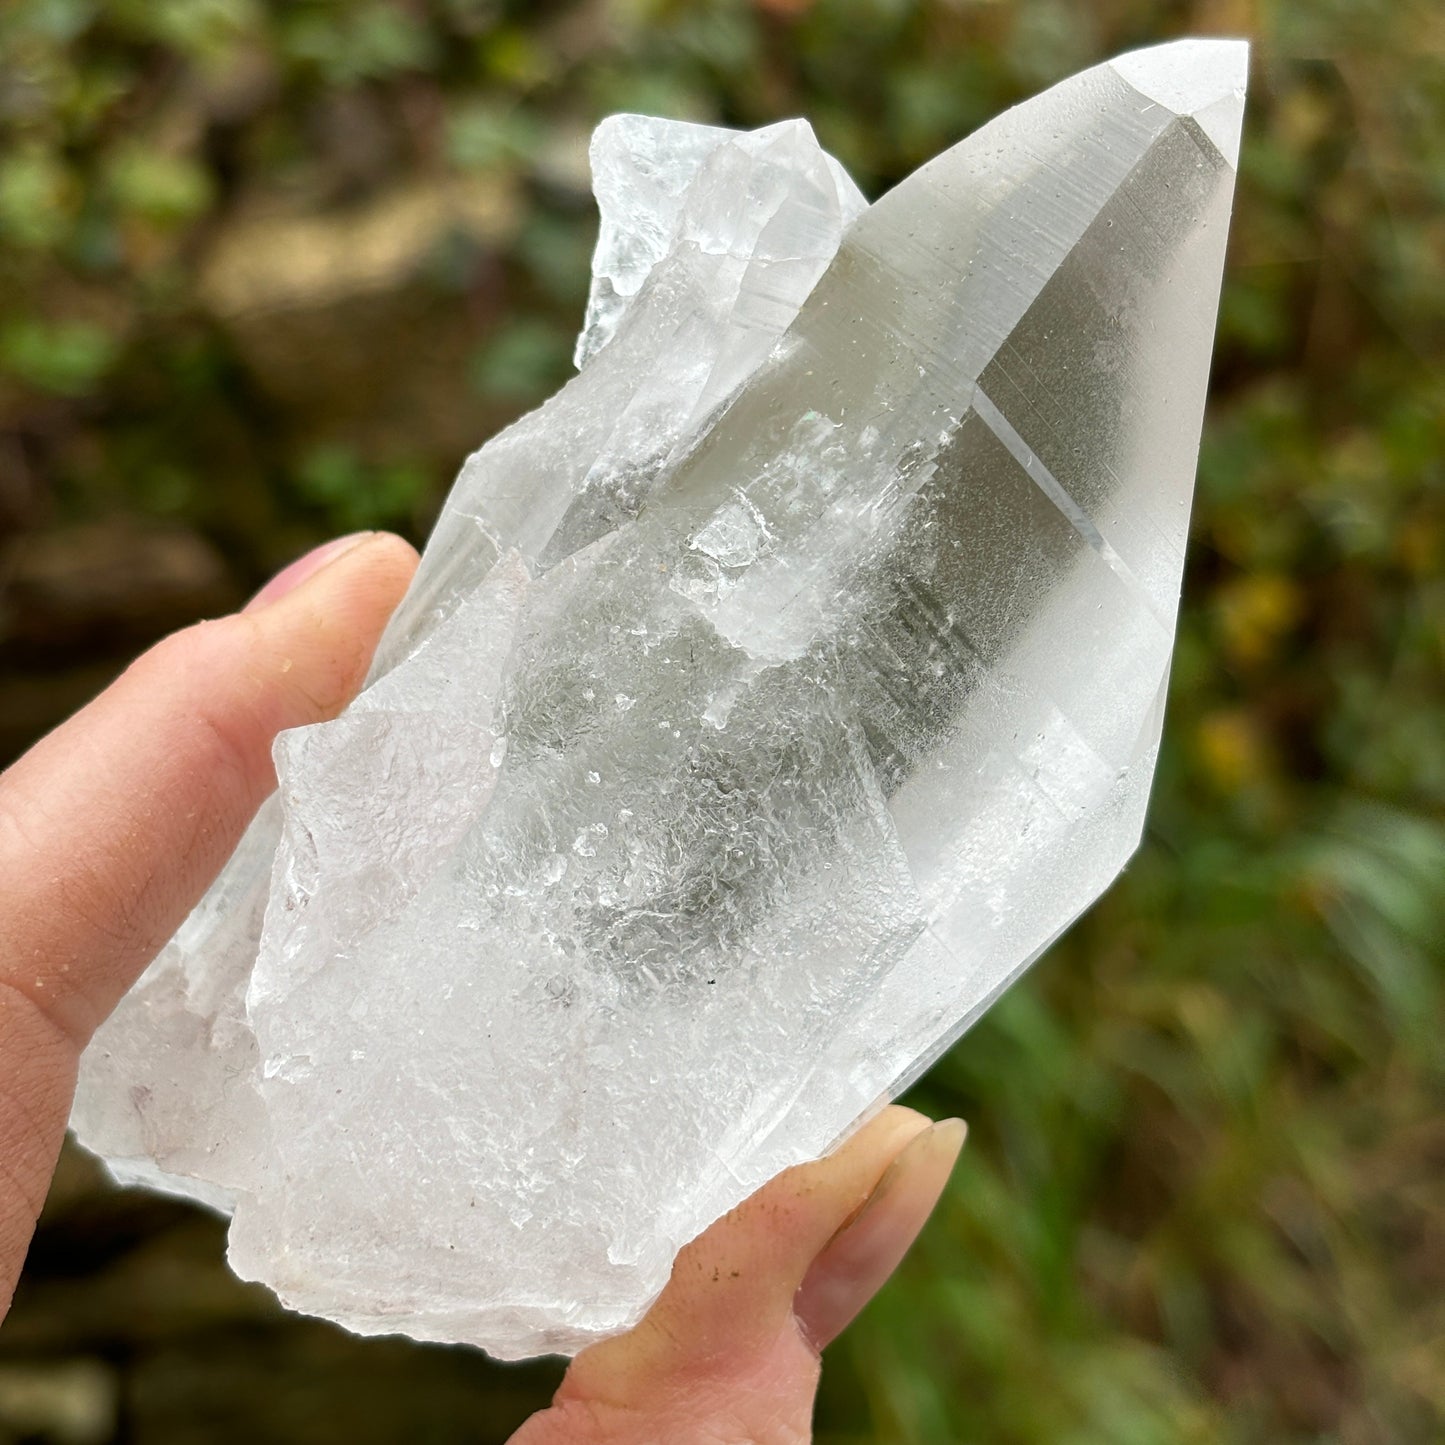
(111, 828)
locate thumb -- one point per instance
(729, 1351)
(113, 825)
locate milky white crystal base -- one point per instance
(763, 705)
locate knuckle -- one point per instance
(39, 1020)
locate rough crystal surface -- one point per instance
(763, 705)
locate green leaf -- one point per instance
(522, 362)
(67, 358)
(167, 190)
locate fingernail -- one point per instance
(288, 579)
(854, 1264)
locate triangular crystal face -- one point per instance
(764, 704)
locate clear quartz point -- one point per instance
(764, 704)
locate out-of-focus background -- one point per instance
(270, 268)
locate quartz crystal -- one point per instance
(764, 704)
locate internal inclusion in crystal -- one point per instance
(763, 705)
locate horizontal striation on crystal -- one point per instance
(764, 704)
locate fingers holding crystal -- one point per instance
(111, 827)
(117, 821)
(729, 1349)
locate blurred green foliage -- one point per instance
(1203, 1199)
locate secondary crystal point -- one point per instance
(763, 705)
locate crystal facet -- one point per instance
(763, 705)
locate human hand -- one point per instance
(113, 826)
